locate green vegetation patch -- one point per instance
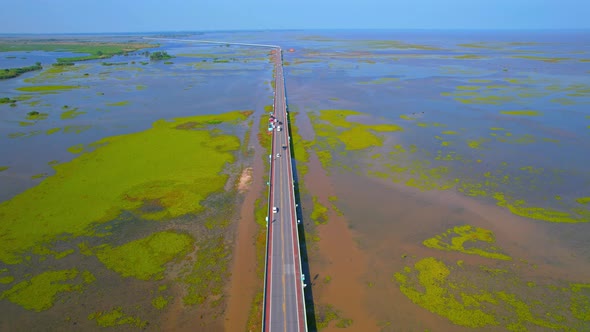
(3, 168)
(157, 173)
(456, 238)
(358, 136)
(58, 73)
(71, 114)
(583, 200)
(40, 292)
(320, 213)
(160, 302)
(326, 314)
(34, 116)
(160, 55)
(469, 56)
(519, 208)
(431, 293)
(120, 103)
(493, 100)
(540, 58)
(522, 112)
(116, 317)
(488, 297)
(15, 72)
(205, 278)
(145, 258)
(48, 88)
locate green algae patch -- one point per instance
(140, 87)
(40, 292)
(116, 317)
(145, 258)
(519, 208)
(496, 297)
(334, 128)
(157, 173)
(357, 138)
(6, 279)
(320, 213)
(34, 116)
(48, 88)
(3, 168)
(76, 149)
(522, 112)
(493, 100)
(71, 114)
(120, 103)
(52, 131)
(468, 87)
(431, 293)
(469, 240)
(449, 132)
(540, 58)
(583, 200)
(160, 302)
(76, 129)
(476, 144)
(406, 117)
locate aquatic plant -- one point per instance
(493, 297)
(116, 317)
(48, 88)
(39, 293)
(160, 302)
(319, 213)
(125, 172)
(15, 72)
(119, 103)
(522, 112)
(455, 239)
(435, 296)
(145, 258)
(71, 114)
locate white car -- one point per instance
(278, 155)
(275, 209)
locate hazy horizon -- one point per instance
(109, 16)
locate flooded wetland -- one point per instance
(443, 180)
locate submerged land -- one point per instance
(443, 181)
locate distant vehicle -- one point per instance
(279, 128)
(284, 147)
(275, 209)
(278, 155)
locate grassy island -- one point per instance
(15, 72)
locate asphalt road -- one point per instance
(284, 310)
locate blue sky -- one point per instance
(77, 16)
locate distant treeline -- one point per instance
(14, 72)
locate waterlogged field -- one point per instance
(118, 180)
(443, 180)
(458, 161)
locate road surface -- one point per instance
(284, 301)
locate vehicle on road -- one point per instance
(275, 209)
(284, 147)
(278, 155)
(278, 128)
